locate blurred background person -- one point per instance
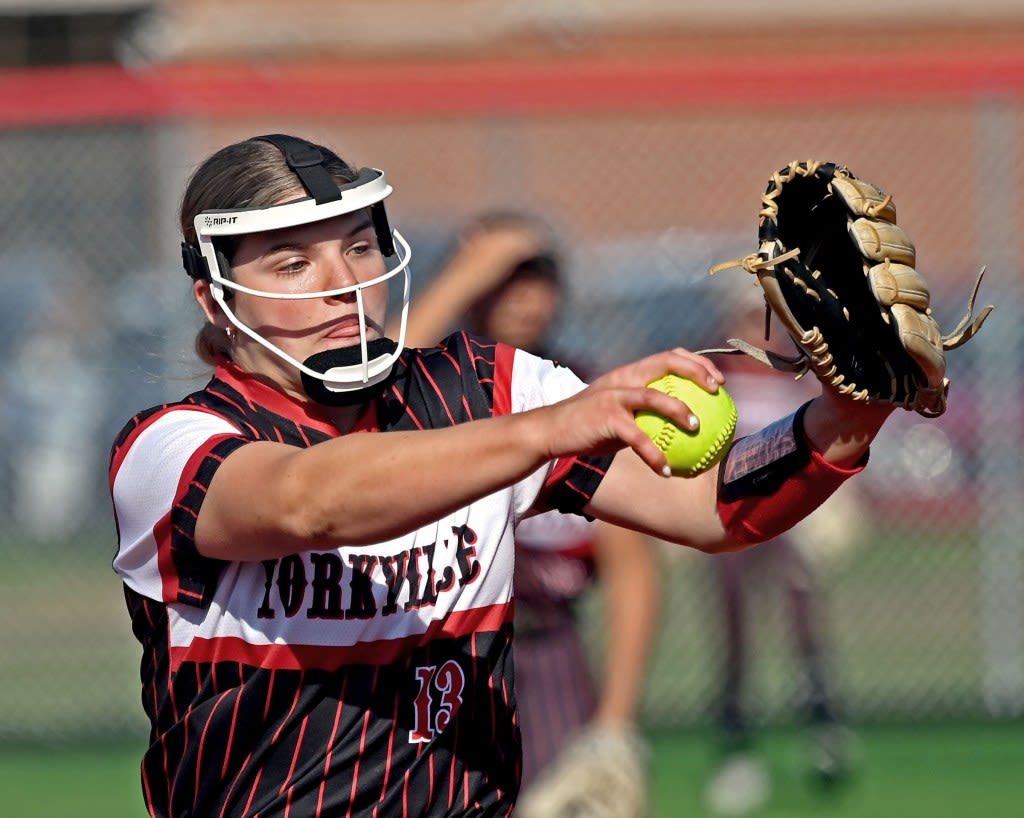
(786, 570)
(504, 280)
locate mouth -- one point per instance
(346, 331)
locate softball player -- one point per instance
(316, 547)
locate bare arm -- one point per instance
(270, 499)
(685, 510)
(628, 576)
(483, 261)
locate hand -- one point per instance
(489, 253)
(600, 419)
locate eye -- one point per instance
(292, 266)
(361, 248)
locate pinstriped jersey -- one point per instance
(373, 679)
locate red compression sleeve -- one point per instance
(772, 479)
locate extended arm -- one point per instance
(628, 575)
(270, 499)
(833, 439)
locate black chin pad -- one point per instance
(343, 356)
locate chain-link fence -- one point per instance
(923, 580)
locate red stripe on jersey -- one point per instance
(267, 398)
(386, 778)
(504, 356)
(330, 754)
(296, 754)
(125, 445)
(252, 792)
(235, 779)
(203, 739)
(164, 561)
(359, 760)
(440, 392)
(231, 737)
(284, 723)
(409, 413)
(331, 657)
(507, 696)
(171, 588)
(147, 788)
(432, 780)
(452, 783)
(453, 360)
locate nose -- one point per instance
(340, 274)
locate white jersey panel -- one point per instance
(538, 382)
(146, 485)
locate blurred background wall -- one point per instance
(646, 133)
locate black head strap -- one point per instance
(198, 270)
(309, 164)
(308, 161)
(194, 263)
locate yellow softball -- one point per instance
(690, 453)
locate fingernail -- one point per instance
(694, 422)
(666, 471)
(712, 382)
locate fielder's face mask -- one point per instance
(336, 376)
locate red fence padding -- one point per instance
(111, 93)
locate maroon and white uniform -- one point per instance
(554, 686)
(374, 679)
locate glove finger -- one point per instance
(922, 339)
(899, 284)
(864, 199)
(878, 240)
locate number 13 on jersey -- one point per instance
(438, 700)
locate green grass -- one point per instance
(100, 781)
(934, 771)
(941, 771)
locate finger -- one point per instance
(669, 406)
(660, 403)
(699, 368)
(679, 361)
(646, 450)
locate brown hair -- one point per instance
(251, 173)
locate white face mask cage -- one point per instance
(368, 190)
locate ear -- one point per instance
(211, 309)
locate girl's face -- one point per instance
(325, 255)
(521, 311)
